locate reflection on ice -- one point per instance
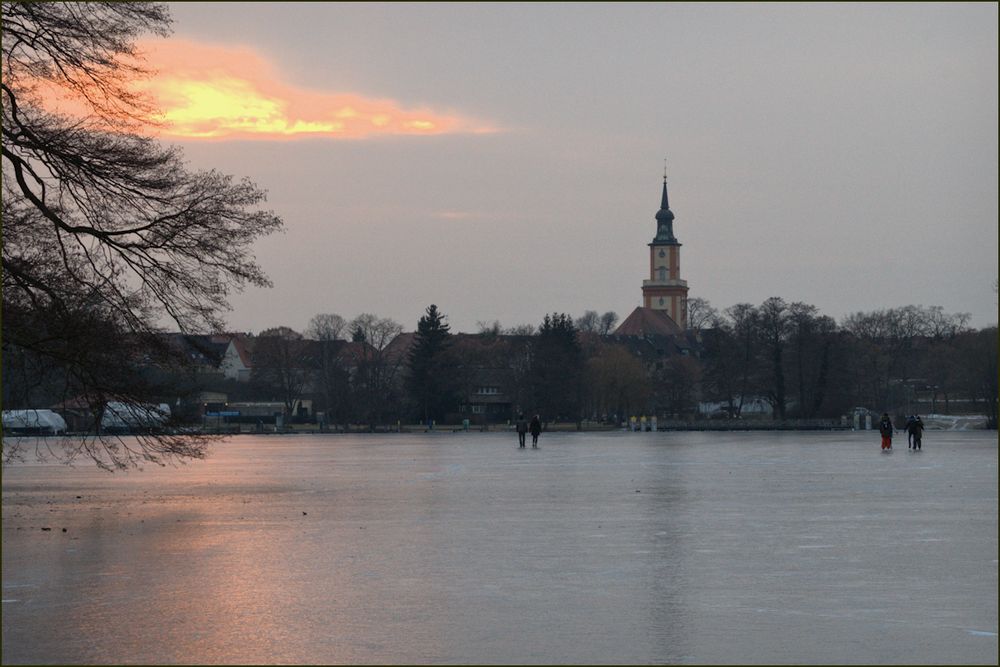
(458, 548)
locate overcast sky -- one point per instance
(505, 161)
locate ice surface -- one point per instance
(460, 548)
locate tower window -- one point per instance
(661, 300)
(663, 274)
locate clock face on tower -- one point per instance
(662, 254)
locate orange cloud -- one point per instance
(225, 92)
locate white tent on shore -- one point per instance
(121, 415)
(38, 422)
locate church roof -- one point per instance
(648, 322)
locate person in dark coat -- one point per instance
(535, 428)
(916, 432)
(885, 428)
(522, 429)
(909, 430)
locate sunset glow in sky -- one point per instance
(226, 92)
(505, 160)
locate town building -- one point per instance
(656, 333)
(664, 293)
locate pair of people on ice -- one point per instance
(523, 427)
(914, 431)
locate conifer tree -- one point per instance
(429, 382)
(557, 367)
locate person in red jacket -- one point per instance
(885, 428)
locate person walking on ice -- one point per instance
(885, 428)
(915, 429)
(522, 430)
(535, 428)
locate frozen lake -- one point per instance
(460, 548)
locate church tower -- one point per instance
(665, 290)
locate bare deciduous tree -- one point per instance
(282, 363)
(773, 325)
(521, 330)
(885, 342)
(618, 383)
(378, 368)
(326, 326)
(332, 373)
(489, 329)
(700, 314)
(102, 225)
(608, 322)
(744, 319)
(590, 321)
(677, 385)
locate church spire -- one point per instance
(665, 218)
(664, 293)
(664, 203)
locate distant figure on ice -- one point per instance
(522, 429)
(885, 428)
(535, 428)
(915, 429)
(909, 430)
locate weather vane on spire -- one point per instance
(664, 170)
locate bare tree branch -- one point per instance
(106, 232)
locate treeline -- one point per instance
(366, 371)
(805, 365)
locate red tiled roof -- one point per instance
(244, 347)
(400, 346)
(648, 322)
(351, 351)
